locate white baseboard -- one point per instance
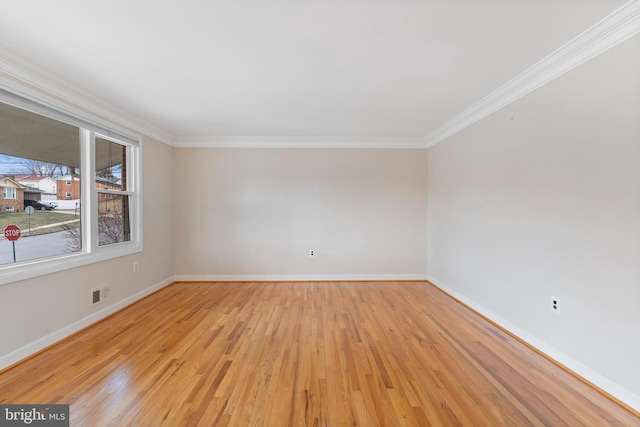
(298, 277)
(570, 363)
(44, 342)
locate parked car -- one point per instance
(38, 205)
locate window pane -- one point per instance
(113, 219)
(37, 157)
(111, 165)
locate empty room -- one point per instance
(320, 213)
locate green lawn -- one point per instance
(38, 219)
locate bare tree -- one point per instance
(74, 237)
(111, 229)
(38, 168)
(107, 174)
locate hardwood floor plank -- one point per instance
(304, 354)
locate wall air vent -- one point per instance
(100, 295)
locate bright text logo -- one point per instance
(34, 415)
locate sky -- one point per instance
(9, 164)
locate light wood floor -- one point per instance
(304, 354)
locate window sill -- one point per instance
(35, 268)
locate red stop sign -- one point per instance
(12, 232)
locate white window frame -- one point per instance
(132, 184)
(5, 191)
(90, 127)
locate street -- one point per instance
(34, 247)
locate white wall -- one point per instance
(543, 198)
(255, 213)
(37, 312)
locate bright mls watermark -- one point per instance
(34, 415)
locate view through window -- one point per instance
(43, 165)
(113, 199)
(37, 156)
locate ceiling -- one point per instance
(198, 69)
(21, 130)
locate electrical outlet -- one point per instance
(312, 252)
(135, 266)
(555, 304)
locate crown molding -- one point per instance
(619, 26)
(35, 84)
(32, 83)
(300, 142)
(622, 24)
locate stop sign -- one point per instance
(12, 232)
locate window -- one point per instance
(114, 199)
(99, 163)
(9, 193)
